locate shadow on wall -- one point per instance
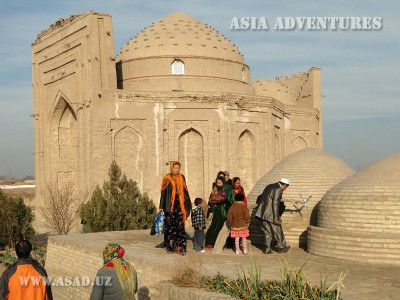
(303, 240)
(314, 214)
(120, 83)
(144, 293)
(256, 234)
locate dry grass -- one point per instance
(189, 272)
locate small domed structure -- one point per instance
(311, 173)
(179, 53)
(359, 219)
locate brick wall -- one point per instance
(355, 246)
(77, 256)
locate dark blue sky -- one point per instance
(360, 69)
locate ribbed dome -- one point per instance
(311, 172)
(359, 219)
(181, 35)
(272, 88)
(368, 201)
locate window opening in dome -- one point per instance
(178, 67)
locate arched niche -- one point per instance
(63, 141)
(191, 157)
(128, 153)
(298, 144)
(246, 154)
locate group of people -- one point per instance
(227, 204)
(230, 222)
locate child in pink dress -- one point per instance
(239, 220)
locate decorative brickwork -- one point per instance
(359, 219)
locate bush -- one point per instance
(8, 258)
(118, 206)
(293, 285)
(16, 220)
(189, 272)
(38, 253)
(62, 208)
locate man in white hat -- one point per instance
(267, 206)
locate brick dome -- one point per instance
(180, 34)
(311, 172)
(209, 62)
(361, 215)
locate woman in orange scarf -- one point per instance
(176, 204)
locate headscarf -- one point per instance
(178, 185)
(112, 257)
(229, 194)
(223, 187)
(112, 251)
(226, 187)
(238, 190)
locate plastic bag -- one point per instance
(159, 223)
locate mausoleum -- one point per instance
(178, 90)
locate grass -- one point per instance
(248, 284)
(189, 273)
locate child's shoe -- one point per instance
(237, 252)
(244, 250)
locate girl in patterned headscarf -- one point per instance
(123, 278)
(176, 204)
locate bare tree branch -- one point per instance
(61, 209)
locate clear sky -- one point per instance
(360, 69)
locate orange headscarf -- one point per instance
(178, 186)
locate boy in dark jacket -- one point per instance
(199, 225)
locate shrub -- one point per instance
(16, 220)
(38, 253)
(8, 258)
(188, 273)
(62, 206)
(119, 205)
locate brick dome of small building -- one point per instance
(211, 62)
(359, 219)
(312, 173)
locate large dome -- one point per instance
(203, 59)
(361, 215)
(179, 34)
(311, 172)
